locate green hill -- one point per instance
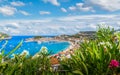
(3, 35)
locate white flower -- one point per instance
(2, 60)
(105, 47)
(68, 56)
(44, 50)
(25, 52)
(35, 56)
(101, 43)
(20, 64)
(87, 41)
(62, 58)
(108, 43)
(104, 26)
(105, 44)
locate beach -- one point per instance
(55, 58)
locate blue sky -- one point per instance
(55, 17)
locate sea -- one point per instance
(32, 47)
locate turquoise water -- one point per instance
(33, 47)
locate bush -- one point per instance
(94, 57)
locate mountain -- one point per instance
(85, 34)
(80, 35)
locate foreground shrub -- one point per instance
(22, 65)
(96, 56)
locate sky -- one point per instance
(57, 17)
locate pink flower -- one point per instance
(113, 64)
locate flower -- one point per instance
(108, 44)
(105, 44)
(114, 64)
(44, 50)
(25, 52)
(35, 56)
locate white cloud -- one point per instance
(24, 13)
(93, 26)
(63, 10)
(17, 3)
(54, 26)
(79, 4)
(54, 2)
(85, 9)
(44, 12)
(88, 17)
(110, 5)
(73, 8)
(81, 7)
(7, 10)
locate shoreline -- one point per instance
(70, 45)
(68, 51)
(73, 43)
(56, 58)
(6, 38)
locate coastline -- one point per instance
(6, 38)
(65, 53)
(68, 51)
(74, 44)
(56, 58)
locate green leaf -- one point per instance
(85, 68)
(77, 72)
(14, 49)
